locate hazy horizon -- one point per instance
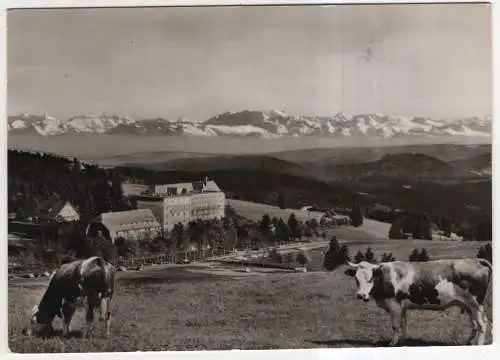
(101, 146)
(406, 60)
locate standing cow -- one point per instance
(88, 283)
(435, 285)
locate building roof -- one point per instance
(195, 186)
(129, 220)
(50, 208)
(211, 186)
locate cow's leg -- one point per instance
(108, 324)
(67, 311)
(105, 313)
(89, 317)
(474, 326)
(404, 323)
(479, 317)
(395, 310)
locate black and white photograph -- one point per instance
(265, 177)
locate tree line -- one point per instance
(35, 177)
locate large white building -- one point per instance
(184, 202)
(130, 225)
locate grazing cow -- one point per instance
(88, 283)
(435, 285)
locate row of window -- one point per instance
(139, 234)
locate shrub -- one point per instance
(308, 233)
(290, 257)
(413, 256)
(303, 257)
(275, 256)
(417, 256)
(423, 256)
(387, 257)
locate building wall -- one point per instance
(185, 208)
(176, 209)
(146, 232)
(208, 205)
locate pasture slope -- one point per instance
(180, 308)
(254, 211)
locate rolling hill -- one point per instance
(336, 155)
(409, 167)
(478, 164)
(226, 162)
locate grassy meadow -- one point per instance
(179, 309)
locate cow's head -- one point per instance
(365, 274)
(36, 323)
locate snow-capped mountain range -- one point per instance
(270, 124)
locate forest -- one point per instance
(35, 177)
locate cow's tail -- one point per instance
(486, 263)
(107, 288)
(101, 263)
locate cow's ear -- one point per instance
(350, 272)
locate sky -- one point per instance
(410, 60)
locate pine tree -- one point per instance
(369, 255)
(356, 216)
(359, 257)
(425, 228)
(396, 230)
(344, 254)
(283, 231)
(414, 256)
(294, 226)
(335, 255)
(281, 201)
(265, 225)
(446, 227)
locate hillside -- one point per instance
(464, 201)
(442, 151)
(226, 162)
(34, 178)
(256, 185)
(402, 167)
(479, 164)
(149, 158)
